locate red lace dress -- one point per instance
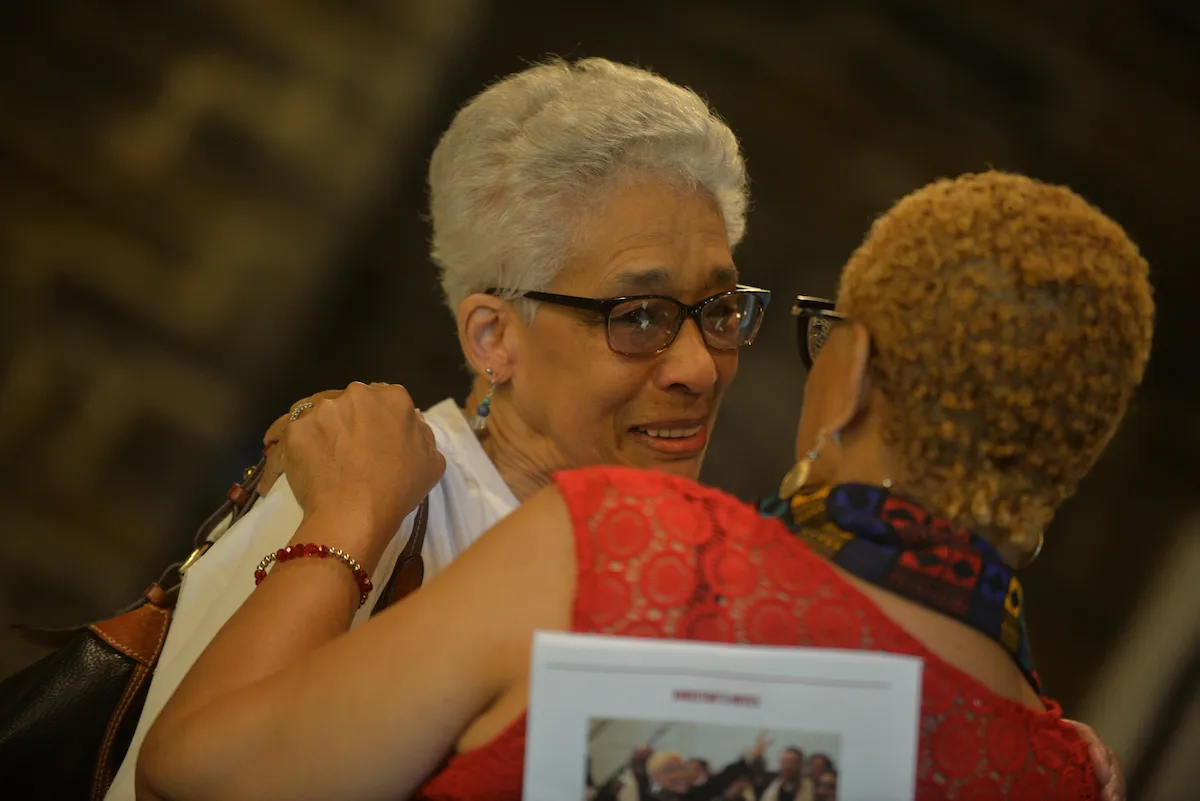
(660, 556)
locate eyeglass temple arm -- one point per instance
(588, 304)
(812, 305)
(763, 295)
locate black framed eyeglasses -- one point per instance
(643, 325)
(814, 320)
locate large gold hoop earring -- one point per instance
(797, 477)
(1031, 558)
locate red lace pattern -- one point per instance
(660, 556)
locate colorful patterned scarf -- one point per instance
(894, 543)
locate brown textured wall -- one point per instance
(211, 209)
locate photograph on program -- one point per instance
(649, 760)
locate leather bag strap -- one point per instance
(409, 573)
(162, 593)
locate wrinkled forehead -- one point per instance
(650, 238)
(670, 282)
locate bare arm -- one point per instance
(339, 722)
(357, 465)
(310, 601)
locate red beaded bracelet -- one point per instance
(361, 577)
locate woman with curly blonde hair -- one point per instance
(986, 341)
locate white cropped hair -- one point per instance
(522, 161)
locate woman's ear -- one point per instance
(483, 331)
(849, 391)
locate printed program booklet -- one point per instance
(847, 721)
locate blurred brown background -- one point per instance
(211, 209)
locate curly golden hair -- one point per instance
(1010, 324)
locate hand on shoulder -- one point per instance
(364, 450)
(273, 440)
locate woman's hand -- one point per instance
(1104, 762)
(358, 463)
(761, 743)
(273, 440)
(364, 451)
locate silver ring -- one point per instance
(300, 409)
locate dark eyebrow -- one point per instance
(659, 279)
(638, 282)
(720, 277)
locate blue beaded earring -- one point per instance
(479, 421)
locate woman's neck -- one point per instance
(863, 456)
(864, 460)
(525, 460)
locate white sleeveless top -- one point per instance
(470, 498)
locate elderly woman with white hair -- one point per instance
(664, 775)
(670, 779)
(583, 219)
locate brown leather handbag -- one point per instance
(67, 720)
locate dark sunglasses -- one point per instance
(814, 320)
(643, 325)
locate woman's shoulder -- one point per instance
(589, 487)
(643, 505)
(471, 478)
